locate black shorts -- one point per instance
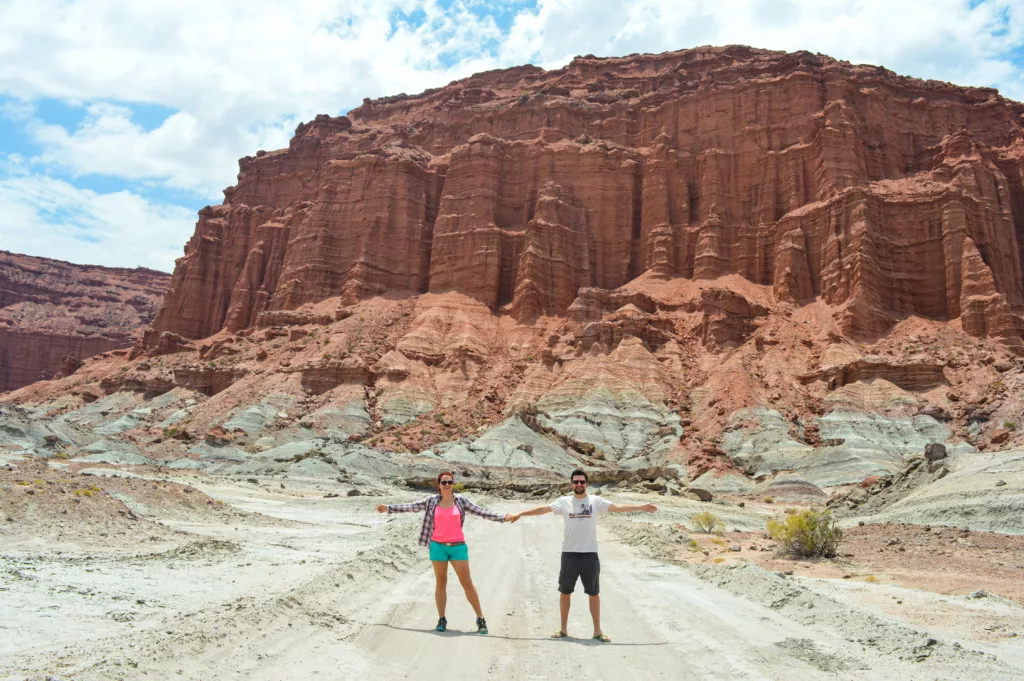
(583, 566)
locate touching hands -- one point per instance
(512, 517)
(382, 508)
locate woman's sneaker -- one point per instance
(442, 624)
(481, 625)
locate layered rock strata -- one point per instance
(883, 196)
(54, 314)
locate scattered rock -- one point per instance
(934, 451)
(218, 437)
(701, 494)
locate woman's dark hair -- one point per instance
(441, 475)
(578, 472)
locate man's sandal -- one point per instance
(559, 634)
(602, 638)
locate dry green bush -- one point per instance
(707, 522)
(807, 534)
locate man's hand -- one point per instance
(382, 508)
(648, 508)
(511, 517)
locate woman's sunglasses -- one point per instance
(447, 482)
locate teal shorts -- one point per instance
(443, 553)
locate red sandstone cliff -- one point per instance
(53, 311)
(882, 196)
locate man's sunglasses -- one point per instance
(579, 482)
(447, 482)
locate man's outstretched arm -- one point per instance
(625, 508)
(540, 510)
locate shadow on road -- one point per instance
(570, 639)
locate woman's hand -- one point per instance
(648, 508)
(382, 508)
(512, 517)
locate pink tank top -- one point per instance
(447, 525)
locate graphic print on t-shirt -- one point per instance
(584, 511)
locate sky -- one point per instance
(119, 120)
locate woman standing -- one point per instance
(444, 516)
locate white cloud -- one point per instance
(240, 74)
(942, 39)
(52, 218)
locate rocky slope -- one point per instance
(54, 314)
(767, 274)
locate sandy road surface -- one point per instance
(664, 623)
(347, 592)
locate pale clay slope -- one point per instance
(344, 591)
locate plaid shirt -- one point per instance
(430, 503)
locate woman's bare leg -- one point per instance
(441, 585)
(462, 572)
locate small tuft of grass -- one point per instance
(871, 578)
(769, 500)
(1010, 425)
(708, 523)
(459, 487)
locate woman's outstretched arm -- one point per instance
(414, 507)
(487, 513)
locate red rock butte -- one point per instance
(882, 196)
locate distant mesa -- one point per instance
(55, 314)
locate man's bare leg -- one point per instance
(564, 600)
(595, 614)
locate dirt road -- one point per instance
(664, 623)
(347, 592)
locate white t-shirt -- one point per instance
(580, 517)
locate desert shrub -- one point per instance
(807, 534)
(707, 522)
(1010, 425)
(459, 487)
(871, 578)
(769, 500)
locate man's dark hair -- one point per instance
(578, 472)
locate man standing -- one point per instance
(579, 546)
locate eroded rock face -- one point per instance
(522, 187)
(54, 314)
